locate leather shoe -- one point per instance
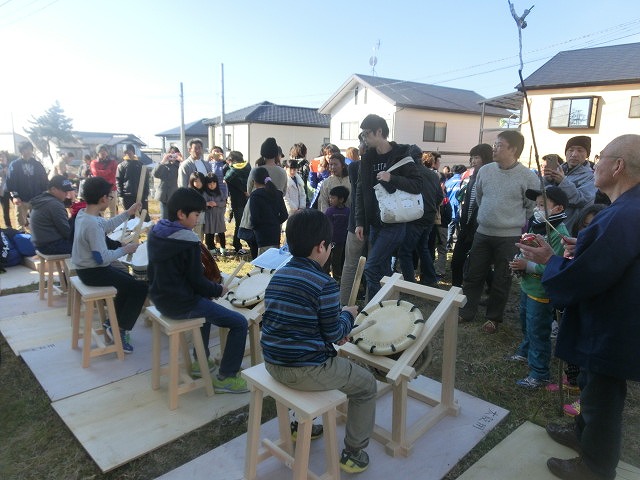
(564, 435)
(572, 469)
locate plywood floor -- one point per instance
(527, 450)
(434, 454)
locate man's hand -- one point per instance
(16, 201)
(569, 244)
(540, 255)
(556, 176)
(359, 231)
(383, 176)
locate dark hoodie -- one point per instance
(48, 220)
(236, 179)
(176, 275)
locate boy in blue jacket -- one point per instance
(179, 289)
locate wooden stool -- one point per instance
(307, 406)
(48, 263)
(70, 271)
(179, 382)
(93, 297)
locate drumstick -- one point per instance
(367, 323)
(136, 232)
(554, 228)
(233, 274)
(143, 179)
(356, 281)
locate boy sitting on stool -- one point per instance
(303, 319)
(179, 289)
(93, 258)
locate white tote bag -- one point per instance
(399, 206)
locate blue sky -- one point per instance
(117, 65)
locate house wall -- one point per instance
(612, 119)
(248, 138)
(462, 132)
(347, 110)
(406, 125)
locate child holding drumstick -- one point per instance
(301, 322)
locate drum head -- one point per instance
(250, 289)
(398, 324)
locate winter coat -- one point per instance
(48, 220)
(128, 178)
(268, 212)
(26, 179)
(168, 175)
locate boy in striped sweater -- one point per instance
(303, 320)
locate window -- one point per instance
(349, 131)
(355, 95)
(634, 108)
(434, 132)
(573, 112)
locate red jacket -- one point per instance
(106, 170)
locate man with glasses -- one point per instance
(503, 210)
(600, 329)
(384, 238)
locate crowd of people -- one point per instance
(498, 219)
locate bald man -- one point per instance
(600, 330)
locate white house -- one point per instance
(435, 118)
(247, 128)
(591, 91)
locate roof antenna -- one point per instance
(373, 61)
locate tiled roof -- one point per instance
(197, 129)
(430, 97)
(267, 112)
(616, 64)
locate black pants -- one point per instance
(6, 209)
(128, 201)
(237, 216)
(131, 292)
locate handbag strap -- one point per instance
(402, 162)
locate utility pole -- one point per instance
(224, 137)
(183, 138)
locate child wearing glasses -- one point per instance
(302, 321)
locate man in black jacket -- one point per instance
(130, 173)
(384, 238)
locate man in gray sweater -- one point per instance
(503, 210)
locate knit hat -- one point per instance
(579, 141)
(61, 183)
(269, 148)
(100, 147)
(555, 194)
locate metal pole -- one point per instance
(224, 137)
(183, 139)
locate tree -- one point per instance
(53, 125)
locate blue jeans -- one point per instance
(417, 238)
(220, 316)
(58, 247)
(599, 425)
(536, 318)
(383, 242)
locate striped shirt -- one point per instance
(302, 317)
